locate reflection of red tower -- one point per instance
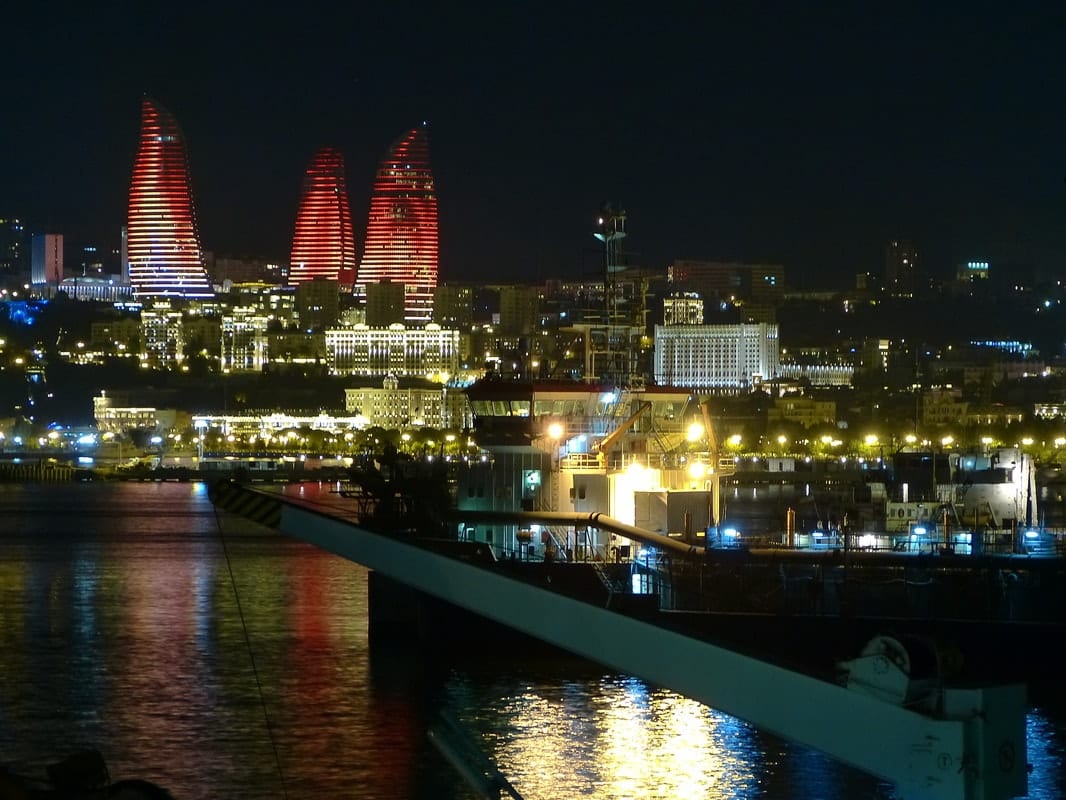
(401, 234)
(323, 245)
(163, 246)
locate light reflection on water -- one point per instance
(120, 629)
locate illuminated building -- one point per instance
(428, 352)
(162, 337)
(46, 258)
(244, 340)
(401, 235)
(323, 245)
(396, 407)
(683, 308)
(453, 306)
(729, 358)
(162, 243)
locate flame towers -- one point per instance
(401, 235)
(323, 244)
(163, 245)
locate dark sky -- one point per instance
(787, 132)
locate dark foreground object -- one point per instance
(80, 776)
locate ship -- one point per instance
(625, 498)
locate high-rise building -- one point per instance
(384, 304)
(401, 236)
(728, 358)
(317, 304)
(323, 245)
(163, 245)
(901, 268)
(12, 246)
(453, 306)
(46, 259)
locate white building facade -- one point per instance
(728, 358)
(429, 352)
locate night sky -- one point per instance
(749, 131)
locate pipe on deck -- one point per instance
(593, 519)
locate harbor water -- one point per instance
(222, 660)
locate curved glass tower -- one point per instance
(163, 245)
(401, 234)
(323, 245)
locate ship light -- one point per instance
(1032, 534)
(730, 533)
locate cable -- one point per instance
(251, 655)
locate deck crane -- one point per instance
(608, 441)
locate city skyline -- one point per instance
(764, 134)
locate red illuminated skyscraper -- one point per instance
(401, 234)
(323, 244)
(164, 253)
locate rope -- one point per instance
(251, 655)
